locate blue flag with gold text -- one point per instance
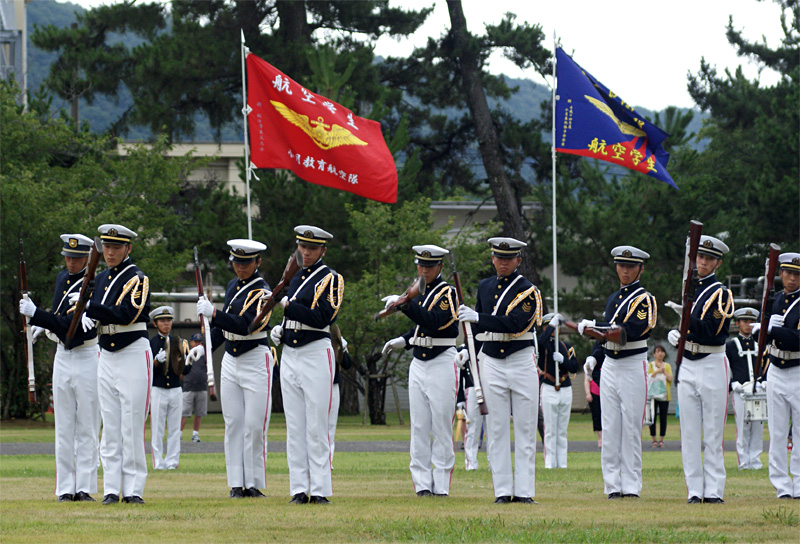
(592, 121)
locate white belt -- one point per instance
(781, 354)
(630, 345)
(117, 329)
(85, 344)
(296, 325)
(502, 337)
(235, 337)
(428, 342)
(695, 348)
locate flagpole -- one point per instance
(245, 111)
(553, 151)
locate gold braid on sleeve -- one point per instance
(256, 297)
(448, 292)
(336, 299)
(725, 308)
(652, 310)
(132, 286)
(536, 319)
(323, 283)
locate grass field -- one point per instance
(373, 501)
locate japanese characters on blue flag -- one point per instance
(592, 121)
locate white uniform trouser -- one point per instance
(124, 381)
(703, 398)
(783, 402)
(77, 415)
(511, 385)
(472, 430)
(432, 390)
(556, 406)
(306, 384)
(166, 406)
(333, 418)
(749, 436)
(623, 390)
(245, 395)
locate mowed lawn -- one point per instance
(373, 501)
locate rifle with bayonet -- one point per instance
(469, 341)
(416, 288)
(769, 284)
(689, 285)
(86, 288)
(294, 264)
(23, 287)
(205, 325)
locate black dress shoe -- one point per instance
(713, 500)
(83, 496)
(630, 496)
(316, 499)
(694, 500)
(299, 498)
(524, 500)
(253, 492)
(424, 493)
(236, 493)
(615, 495)
(505, 499)
(66, 497)
(133, 499)
(787, 496)
(110, 499)
(440, 494)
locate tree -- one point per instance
(54, 180)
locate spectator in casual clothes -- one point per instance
(195, 390)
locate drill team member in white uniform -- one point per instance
(121, 303)
(308, 366)
(166, 402)
(508, 308)
(741, 352)
(703, 379)
(623, 388)
(432, 376)
(556, 399)
(246, 376)
(783, 379)
(75, 404)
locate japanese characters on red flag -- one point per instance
(319, 140)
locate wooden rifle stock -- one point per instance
(294, 264)
(469, 340)
(206, 329)
(769, 284)
(86, 287)
(23, 288)
(613, 333)
(689, 284)
(416, 288)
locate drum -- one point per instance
(649, 410)
(755, 407)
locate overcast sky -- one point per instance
(643, 55)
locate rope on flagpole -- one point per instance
(553, 151)
(247, 165)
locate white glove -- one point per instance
(276, 334)
(460, 406)
(87, 323)
(36, 330)
(775, 321)
(736, 387)
(585, 323)
(558, 357)
(394, 343)
(161, 356)
(760, 387)
(461, 358)
(265, 294)
(674, 337)
(557, 320)
(389, 300)
(675, 306)
(589, 364)
(467, 314)
(27, 307)
(73, 298)
(195, 353)
(284, 302)
(204, 307)
(755, 331)
(344, 344)
(747, 388)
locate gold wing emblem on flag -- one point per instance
(323, 134)
(625, 128)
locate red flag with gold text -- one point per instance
(316, 138)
